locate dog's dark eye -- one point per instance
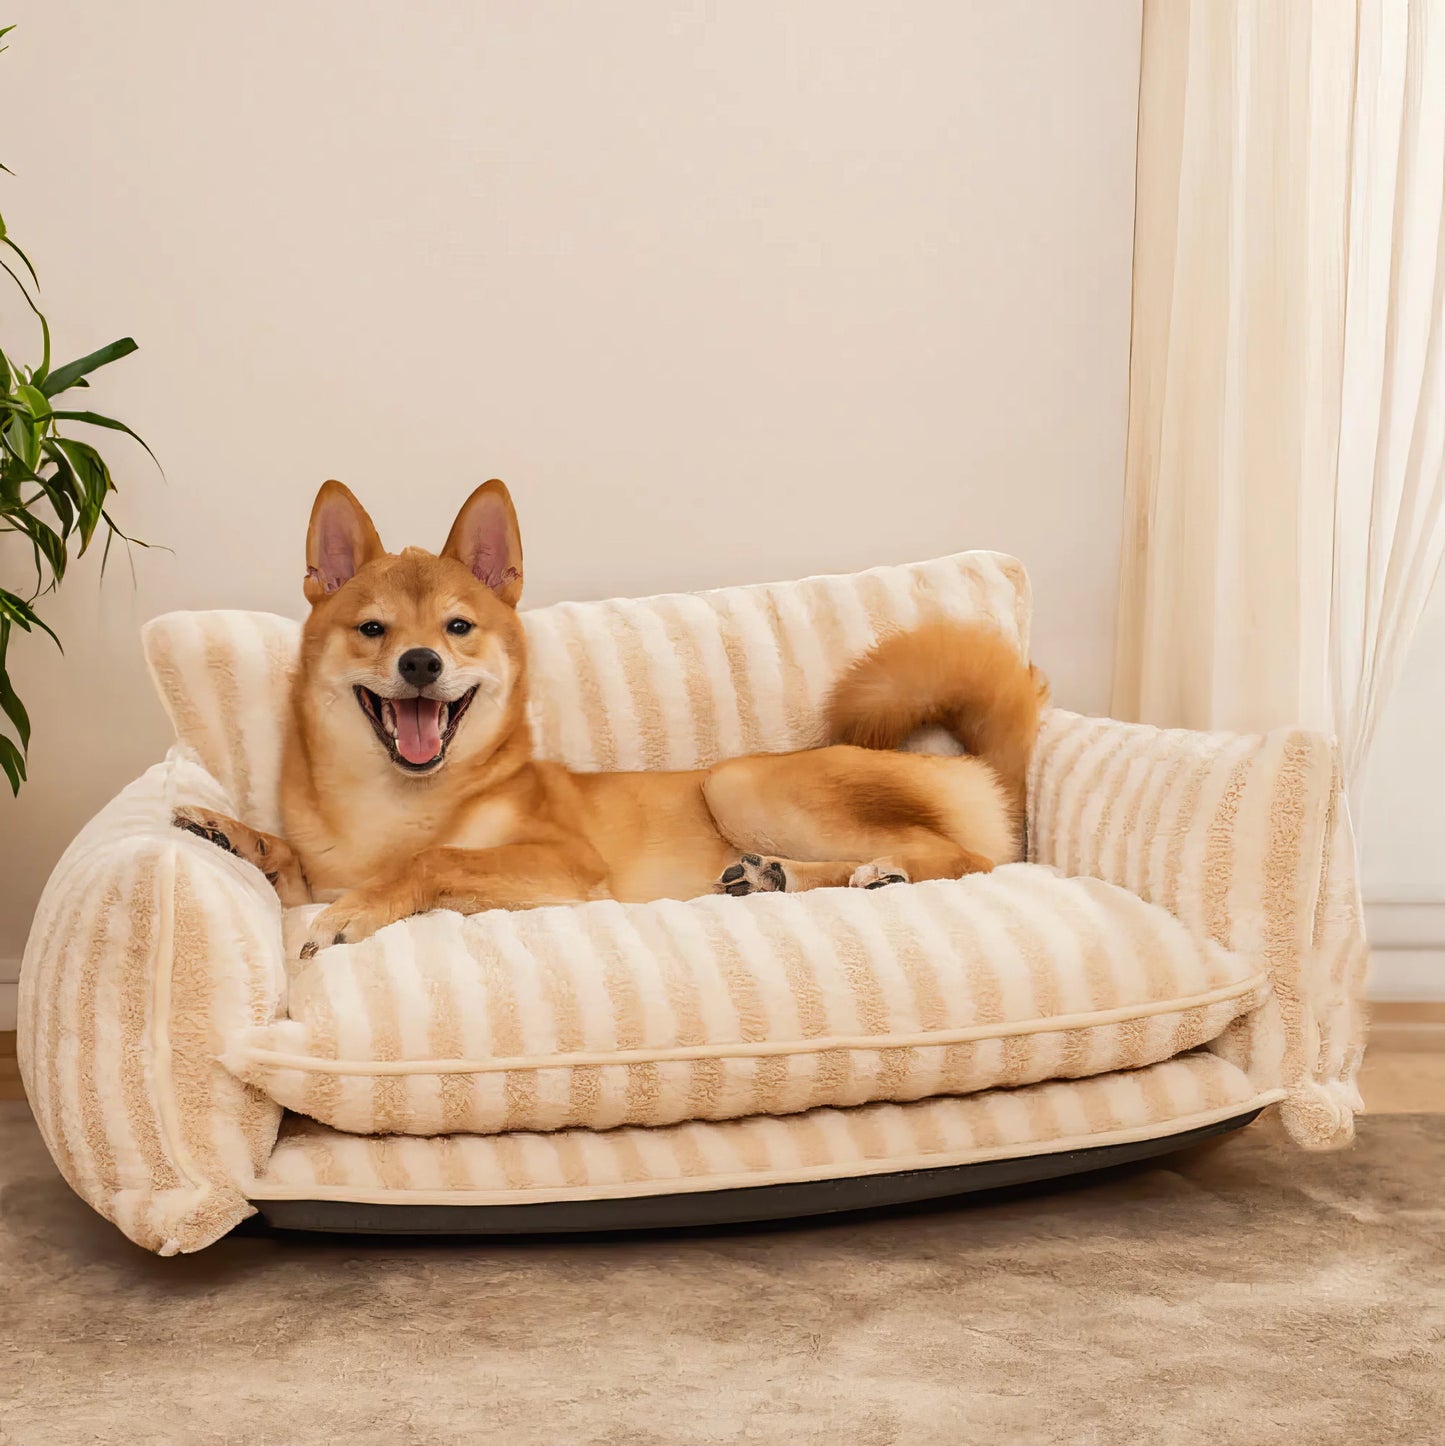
(370, 629)
(460, 627)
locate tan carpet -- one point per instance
(1239, 1294)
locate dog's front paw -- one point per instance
(878, 875)
(753, 875)
(204, 824)
(353, 917)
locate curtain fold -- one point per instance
(1285, 492)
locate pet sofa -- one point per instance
(1182, 949)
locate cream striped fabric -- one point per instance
(1247, 840)
(225, 680)
(608, 1014)
(152, 952)
(148, 950)
(678, 681)
(687, 679)
(313, 1162)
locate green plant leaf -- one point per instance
(40, 315)
(36, 402)
(23, 615)
(15, 710)
(89, 465)
(110, 424)
(47, 544)
(50, 542)
(59, 488)
(8, 242)
(94, 419)
(62, 378)
(16, 462)
(92, 478)
(24, 289)
(12, 761)
(43, 472)
(23, 440)
(64, 486)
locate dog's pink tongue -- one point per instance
(418, 728)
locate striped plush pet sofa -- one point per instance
(1182, 949)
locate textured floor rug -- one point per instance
(1239, 1293)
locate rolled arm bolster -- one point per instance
(149, 947)
(1247, 839)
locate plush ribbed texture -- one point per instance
(152, 953)
(317, 1163)
(687, 679)
(609, 1014)
(148, 950)
(677, 681)
(1246, 840)
(224, 678)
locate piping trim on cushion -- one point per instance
(763, 1049)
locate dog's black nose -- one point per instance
(419, 667)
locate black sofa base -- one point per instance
(706, 1208)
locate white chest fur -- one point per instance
(372, 829)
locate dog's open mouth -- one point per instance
(415, 731)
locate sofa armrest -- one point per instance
(148, 949)
(1246, 839)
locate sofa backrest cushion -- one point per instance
(676, 681)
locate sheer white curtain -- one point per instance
(1285, 502)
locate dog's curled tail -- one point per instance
(963, 678)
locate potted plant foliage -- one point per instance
(55, 487)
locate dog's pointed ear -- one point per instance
(485, 539)
(340, 540)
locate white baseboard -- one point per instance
(1405, 925)
(9, 991)
(1417, 975)
(1407, 950)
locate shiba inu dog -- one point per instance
(408, 781)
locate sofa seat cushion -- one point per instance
(315, 1162)
(606, 1014)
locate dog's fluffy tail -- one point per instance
(964, 680)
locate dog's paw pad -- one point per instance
(753, 875)
(309, 949)
(197, 824)
(877, 876)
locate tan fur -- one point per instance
(491, 827)
(964, 678)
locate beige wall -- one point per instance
(725, 297)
